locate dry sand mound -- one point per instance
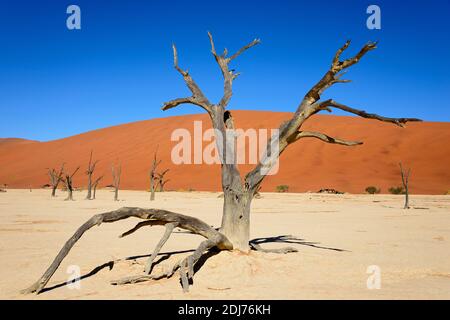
(307, 165)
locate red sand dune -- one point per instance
(308, 165)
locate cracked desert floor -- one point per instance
(337, 236)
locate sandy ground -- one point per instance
(411, 248)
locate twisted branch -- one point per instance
(397, 121)
(325, 138)
(155, 215)
(197, 98)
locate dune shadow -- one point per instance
(293, 240)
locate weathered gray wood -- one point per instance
(89, 171)
(116, 173)
(95, 185)
(397, 121)
(68, 181)
(154, 175)
(162, 180)
(55, 178)
(310, 105)
(405, 181)
(165, 237)
(236, 218)
(324, 138)
(167, 217)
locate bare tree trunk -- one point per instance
(89, 188)
(55, 178)
(89, 172)
(153, 175)
(406, 206)
(95, 186)
(116, 172)
(236, 220)
(54, 190)
(69, 184)
(161, 180)
(162, 183)
(405, 180)
(152, 187)
(69, 193)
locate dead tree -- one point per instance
(153, 175)
(94, 186)
(116, 172)
(161, 180)
(238, 192)
(68, 181)
(55, 178)
(405, 178)
(89, 172)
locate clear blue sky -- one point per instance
(55, 82)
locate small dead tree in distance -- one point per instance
(94, 186)
(116, 172)
(153, 175)
(238, 193)
(89, 172)
(68, 181)
(55, 178)
(405, 180)
(161, 180)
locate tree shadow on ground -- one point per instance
(292, 240)
(94, 271)
(110, 264)
(212, 252)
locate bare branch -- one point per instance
(89, 172)
(140, 225)
(333, 74)
(197, 98)
(338, 53)
(153, 174)
(55, 178)
(213, 48)
(248, 46)
(185, 222)
(309, 106)
(165, 237)
(175, 61)
(351, 61)
(325, 138)
(228, 75)
(76, 170)
(397, 121)
(176, 102)
(96, 181)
